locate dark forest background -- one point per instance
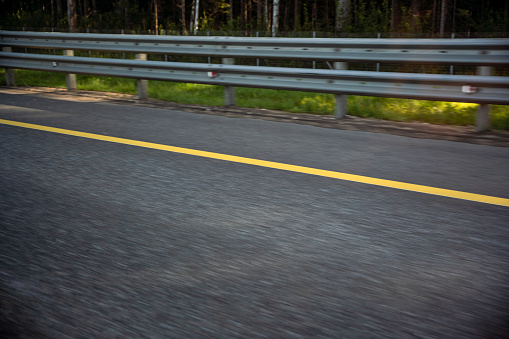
(426, 18)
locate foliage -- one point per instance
(412, 16)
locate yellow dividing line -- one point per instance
(270, 164)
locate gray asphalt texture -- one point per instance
(103, 240)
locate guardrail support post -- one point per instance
(142, 84)
(229, 91)
(341, 100)
(483, 119)
(9, 72)
(70, 79)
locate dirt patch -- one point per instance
(409, 129)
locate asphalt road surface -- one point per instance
(102, 239)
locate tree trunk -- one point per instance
(71, 15)
(191, 19)
(314, 15)
(416, 7)
(247, 16)
(183, 17)
(327, 15)
(52, 13)
(342, 14)
(434, 18)
(284, 21)
(156, 16)
(196, 15)
(275, 17)
(59, 7)
(242, 15)
(355, 12)
(259, 14)
(125, 13)
(266, 13)
(395, 16)
(453, 28)
(296, 16)
(506, 11)
(86, 8)
(443, 18)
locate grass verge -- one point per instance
(435, 112)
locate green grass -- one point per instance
(185, 93)
(33, 78)
(103, 84)
(434, 112)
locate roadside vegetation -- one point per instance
(297, 102)
(281, 18)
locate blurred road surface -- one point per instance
(106, 240)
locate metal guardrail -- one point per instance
(479, 52)
(483, 89)
(398, 85)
